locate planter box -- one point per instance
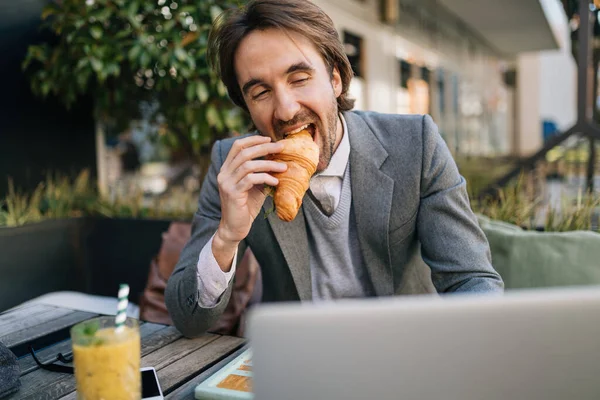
(120, 251)
(89, 255)
(39, 258)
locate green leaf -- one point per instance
(191, 63)
(82, 63)
(202, 91)
(85, 334)
(113, 69)
(45, 88)
(167, 26)
(91, 328)
(97, 65)
(215, 11)
(213, 117)
(102, 75)
(123, 34)
(221, 88)
(50, 9)
(82, 79)
(96, 32)
(190, 91)
(145, 59)
(103, 14)
(188, 9)
(233, 119)
(133, 9)
(189, 115)
(195, 133)
(180, 54)
(134, 53)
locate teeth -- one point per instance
(299, 129)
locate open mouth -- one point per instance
(311, 128)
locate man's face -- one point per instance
(286, 85)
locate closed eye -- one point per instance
(301, 80)
(261, 94)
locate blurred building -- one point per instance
(489, 72)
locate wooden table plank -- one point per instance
(186, 391)
(13, 322)
(42, 329)
(178, 372)
(44, 385)
(172, 352)
(160, 338)
(15, 316)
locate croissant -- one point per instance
(301, 154)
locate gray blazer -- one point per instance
(411, 207)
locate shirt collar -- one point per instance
(339, 160)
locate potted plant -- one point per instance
(64, 236)
(41, 236)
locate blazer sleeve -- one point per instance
(452, 243)
(182, 292)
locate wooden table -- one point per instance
(180, 363)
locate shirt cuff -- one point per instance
(212, 281)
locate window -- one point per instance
(425, 74)
(405, 74)
(441, 91)
(353, 45)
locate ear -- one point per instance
(336, 82)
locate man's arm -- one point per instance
(452, 243)
(231, 198)
(183, 293)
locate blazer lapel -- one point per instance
(372, 192)
(293, 241)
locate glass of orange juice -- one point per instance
(107, 359)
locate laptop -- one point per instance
(534, 344)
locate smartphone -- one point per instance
(150, 386)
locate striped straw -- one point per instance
(122, 307)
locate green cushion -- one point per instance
(529, 259)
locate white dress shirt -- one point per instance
(325, 186)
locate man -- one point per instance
(386, 194)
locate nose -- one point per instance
(286, 106)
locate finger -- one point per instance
(254, 152)
(241, 144)
(254, 166)
(251, 180)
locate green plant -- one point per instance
(124, 52)
(512, 205)
(179, 205)
(61, 197)
(515, 206)
(572, 217)
(479, 172)
(18, 209)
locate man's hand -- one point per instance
(241, 181)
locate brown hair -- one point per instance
(300, 16)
